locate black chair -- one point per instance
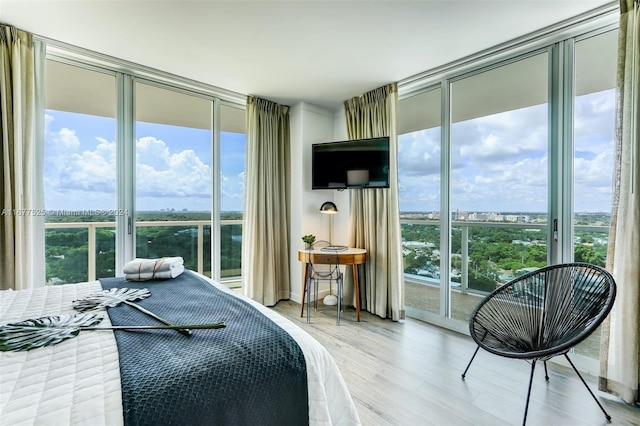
(543, 314)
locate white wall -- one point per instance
(309, 124)
(341, 198)
(312, 124)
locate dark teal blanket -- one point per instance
(249, 373)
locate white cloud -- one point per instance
(500, 162)
(593, 182)
(594, 121)
(419, 153)
(67, 169)
(93, 171)
(60, 142)
(489, 147)
(87, 178)
(501, 138)
(161, 173)
(231, 188)
(152, 152)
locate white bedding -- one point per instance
(77, 382)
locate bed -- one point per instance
(110, 377)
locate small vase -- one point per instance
(308, 246)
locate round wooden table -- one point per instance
(351, 256)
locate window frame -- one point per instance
(559, 43)
(127, 74)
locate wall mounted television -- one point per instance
(358, 163)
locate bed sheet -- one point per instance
(77, 382)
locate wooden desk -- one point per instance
(350, 256)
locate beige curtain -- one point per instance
(21, 224)
(265, 235)
(374, 222)
(620, 355)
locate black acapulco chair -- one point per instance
(543, 314)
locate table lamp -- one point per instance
(329, 208)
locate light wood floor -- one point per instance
(408, 373)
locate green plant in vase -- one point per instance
(308, 241)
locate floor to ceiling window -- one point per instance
(232, 150)
(173, 176)
(79, 173)
(138, 167)
(499, 178)
(593, 130)
(419, 197)
(594, 124)
(526, 167)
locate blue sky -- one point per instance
(173, 165)
(499, 163)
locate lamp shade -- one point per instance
(328, 208)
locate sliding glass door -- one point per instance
(524, 147)
(499, 178)
(419, 171)
(593, 128)
(138, 168)
(233, 138)
(173, 176)
(79, 173)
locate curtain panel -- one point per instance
(265, 236)
(21, 130)
(374, 222)
(620, 353)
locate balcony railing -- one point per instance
(201, 252)
(199, 226)
(464, 227)
(423, 293)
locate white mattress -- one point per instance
(77, 382)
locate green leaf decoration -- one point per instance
(44, 331)
(115, 296)
(110, 298)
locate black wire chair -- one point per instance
(543, 314)
(330, 271)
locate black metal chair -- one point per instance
(543, 314)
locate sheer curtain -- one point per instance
(620, 355)
(265, 236)
(21, 119)
(374, 222)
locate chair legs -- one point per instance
(339, 283)
(533, 366)
(546, 372)
(606, 415)
(546, 376)
(307, 295)
(526, 406)
(470, 361)
(474, 355)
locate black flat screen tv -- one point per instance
(358, 163)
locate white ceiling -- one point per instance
(321, 52)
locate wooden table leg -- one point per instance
(356, 288)
(304, 288)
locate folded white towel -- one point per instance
(149, 269)
(163, 275)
